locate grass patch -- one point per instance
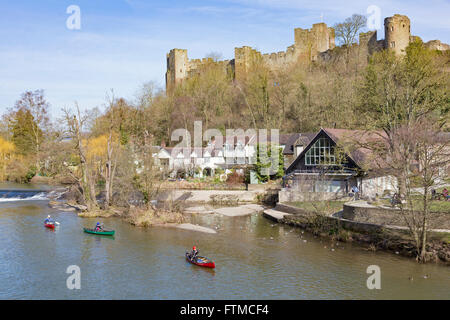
(440, 206)
(324, 207)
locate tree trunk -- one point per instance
(108, 173)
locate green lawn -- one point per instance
(435, 205)
(440, 206)
(326, 207)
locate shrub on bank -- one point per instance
(143, 217)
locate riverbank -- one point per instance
(375, 237)
(173, 209)
(137, 216)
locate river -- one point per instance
(255, 259)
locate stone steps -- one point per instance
(274, 215)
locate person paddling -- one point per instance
(194, 253)
(98, 227)
(49, 220)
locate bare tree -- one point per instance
(146, 94)
(421, 151)
(346, 32)
(75, 126)
(111, 150)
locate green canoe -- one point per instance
(102, 233)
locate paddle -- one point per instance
(189, 256)
(57, 223)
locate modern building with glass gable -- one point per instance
(323, 167)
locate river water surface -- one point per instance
(255, 259)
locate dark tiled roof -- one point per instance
(360, 154)
(297, 139)
(284, 138)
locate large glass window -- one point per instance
(320, 153)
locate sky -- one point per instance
(122, 44)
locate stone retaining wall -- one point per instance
(286, 195)
(361, 219)
(263, 187)
(302, 216)
(289, 209)
(388, 216)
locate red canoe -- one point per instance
(49, 225)
(201, 261)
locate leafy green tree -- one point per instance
(29, 123)
(22, 134)
(264, 163)
(400, 90)
(405, 98)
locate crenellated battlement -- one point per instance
(309, 45)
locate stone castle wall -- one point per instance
(309, 45)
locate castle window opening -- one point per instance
(393, 44)
(392, 28)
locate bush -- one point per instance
(344, 235)
(31, 173)
(19, 172)
(267, 198)
(235, 178)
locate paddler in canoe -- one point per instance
(50, 223)
(194, 258)
(194, 253)
(99, 227)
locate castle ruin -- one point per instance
(309, 45)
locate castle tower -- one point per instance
(397, 31)
(244, 58)
(177, 67)
(310, 42)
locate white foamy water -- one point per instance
(36, 197)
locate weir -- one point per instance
(23, 194)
